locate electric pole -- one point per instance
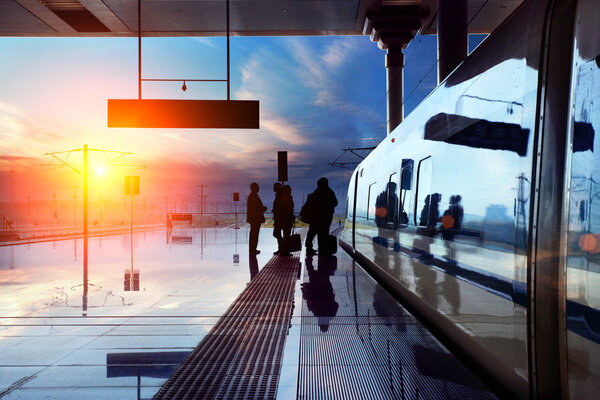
(58, 155)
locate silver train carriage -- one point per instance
(481, 211)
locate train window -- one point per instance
(405, 187)
(423, 195)
(371, 201)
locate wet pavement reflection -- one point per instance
(130, 340)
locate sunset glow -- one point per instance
(304, 105)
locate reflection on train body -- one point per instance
(442, 209)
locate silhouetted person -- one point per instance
(318, 291)
(277, 216)
(287, 217)
(324, 202)
(255, 216)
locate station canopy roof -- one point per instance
(395, 21)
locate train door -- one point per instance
(582, 211)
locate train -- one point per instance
(481, 210)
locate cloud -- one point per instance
(338, 52)
(206, 41)
(284, 130)
(12, 122)
(322, 71)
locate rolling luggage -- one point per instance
(294, 242)
(331, 245)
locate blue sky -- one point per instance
(317, 95)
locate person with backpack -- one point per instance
(320, 206)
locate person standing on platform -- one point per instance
(255, 215)
(287, 218)
(323, 206)
(277, 216)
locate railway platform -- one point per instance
(304, 327)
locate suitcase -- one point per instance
(331, 245)
(294, 243)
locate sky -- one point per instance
(317, 96)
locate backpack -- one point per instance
(307, 210)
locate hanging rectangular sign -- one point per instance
(282, 167)
(159, 113)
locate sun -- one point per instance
(101, 171)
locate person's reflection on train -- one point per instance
(424, 217)
(428, 221)
(452, 224)
(277, 216)
(393, 215)
(318, 291)
(253, 265)
(381, 210)
(287, 217)
(386, 212)
(392, 205)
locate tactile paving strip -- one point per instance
(240, 358)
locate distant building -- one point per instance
(496, 213)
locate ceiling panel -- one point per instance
(15, 18)
(247, 17)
